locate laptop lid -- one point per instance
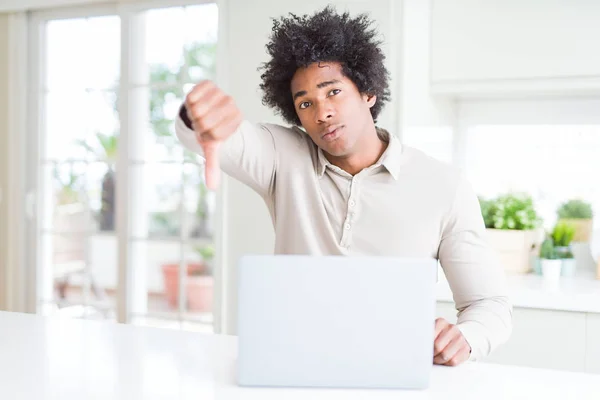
(334, 321)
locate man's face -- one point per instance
(331, 109)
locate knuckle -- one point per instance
(438, 347)
(228, 101)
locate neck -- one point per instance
(371, 149)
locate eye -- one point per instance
(334, 92)
(303, 105)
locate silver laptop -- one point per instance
(333, 321)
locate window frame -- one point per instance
(129, 15)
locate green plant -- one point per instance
(207, 253)
(567, 254)
(487, 211)
(575, 209)
(513, 211)
(547, 250)
(105, 147)
(70, 186)
(562, 234)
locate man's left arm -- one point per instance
(477, 281)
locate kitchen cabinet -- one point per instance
(592, 360)
(511, 46)
(546, 339)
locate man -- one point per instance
(341, 185)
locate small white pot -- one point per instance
(551, 269)
(569, 266)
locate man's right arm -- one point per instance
(246, 152)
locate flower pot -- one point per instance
(583, 228)
(514, 248)
(551, 270)
(536, 264)
(568, 267)
(171, 279)
(200, 293)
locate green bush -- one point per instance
(514, 211)
(547, 250)
(575, 209)
(562, 234)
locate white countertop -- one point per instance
(44, 358)
(580, 293)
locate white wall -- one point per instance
(248, 227)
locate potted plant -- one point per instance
(199, 281)
(200, 284)
(105, 148)
(579, 214)
(562, 236)
(551, 265)
(513, 229)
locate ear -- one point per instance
(370, 99)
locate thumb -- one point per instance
(211, 168)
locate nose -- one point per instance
(324, 112)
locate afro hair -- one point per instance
(326, 36)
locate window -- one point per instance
(102, 135)
(553, 163)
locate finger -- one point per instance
(206, 106)
(211, 154)
(222, 112)
(460, 357)
(443, 339)
(198, 92)
(450, 350)
(440, 325)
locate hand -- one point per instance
(214, 117)
(450, 346)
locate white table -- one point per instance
(44, 358)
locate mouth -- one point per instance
(332, 133)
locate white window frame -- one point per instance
(127, 13)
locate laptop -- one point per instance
(335, 321)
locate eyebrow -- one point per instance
(319, 86)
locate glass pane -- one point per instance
(103, 52)
(165, 39)
(201, 24)
(81, 276)
(66, 42)
(68, 204)
(160, 207)
(163, 287)
(67, 125)
(104, 126)
(201, 58)
(83, 53)
(199, 203)
(161, 143)
(101, 194)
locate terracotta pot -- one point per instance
(171, 278)
(200, 293)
